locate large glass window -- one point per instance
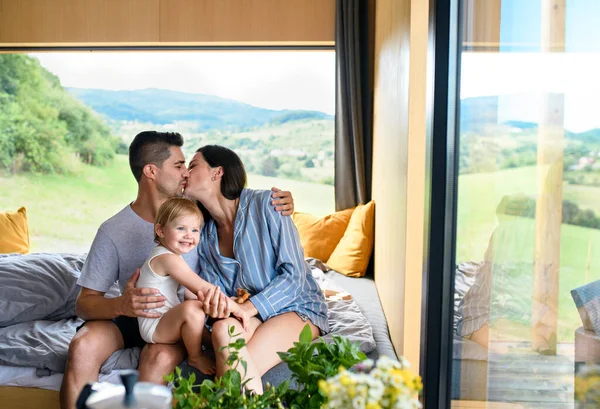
(67, 118)
(527, 329)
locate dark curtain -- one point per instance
(354, 102)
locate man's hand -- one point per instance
(136, 301)
(283, 201)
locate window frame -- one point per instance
(440, 201)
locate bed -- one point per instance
(37, 296)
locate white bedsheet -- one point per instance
(21, 376)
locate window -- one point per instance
(67, 118)
(528, 210)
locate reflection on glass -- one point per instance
(527, 289)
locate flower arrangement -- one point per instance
(367, 385)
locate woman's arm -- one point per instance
(290, 264)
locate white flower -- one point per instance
(358, 402)
(388, 384)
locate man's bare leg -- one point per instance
(158, 360)
(89, 348)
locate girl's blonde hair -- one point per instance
(174, 208)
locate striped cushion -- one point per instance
(587, 300)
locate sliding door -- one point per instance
(518, 126)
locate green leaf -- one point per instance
(306, 335)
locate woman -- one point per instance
(245, 244)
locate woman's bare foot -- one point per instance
(204, 364)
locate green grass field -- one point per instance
(479, 195)
(64, 212)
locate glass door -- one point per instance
(526, 327)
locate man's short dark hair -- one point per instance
(234, 178)
(151, 147)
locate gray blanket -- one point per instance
(38, 294)
(40, 286)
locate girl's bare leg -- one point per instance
(186, 321)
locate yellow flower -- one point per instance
(323, 386)
(373, 405)
(345, 380)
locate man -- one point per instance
(120, 247)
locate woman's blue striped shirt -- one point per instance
(269, 262)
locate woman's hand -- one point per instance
(214, 303)
(283, 201)
(243, 314)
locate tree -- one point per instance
(41, 125)
(270, 165)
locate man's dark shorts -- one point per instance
(130, 331)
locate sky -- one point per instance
(523, 79)
(267, 79)
(523, 75)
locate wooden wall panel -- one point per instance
(390, 150)
(166, 22)
(399, 131)
(306, 21)
(415, 186)
(29, 22)
(481, 25)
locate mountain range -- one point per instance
(159, 106)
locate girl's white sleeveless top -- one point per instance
(165, 284)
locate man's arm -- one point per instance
(91, 304)
(283, 201)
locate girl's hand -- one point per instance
(214, 303)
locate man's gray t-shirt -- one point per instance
(121, 246)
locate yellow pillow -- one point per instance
(352, 254)
(320, 236)
(14, 233)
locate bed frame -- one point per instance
(17, 397)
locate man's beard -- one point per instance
(173, 192)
